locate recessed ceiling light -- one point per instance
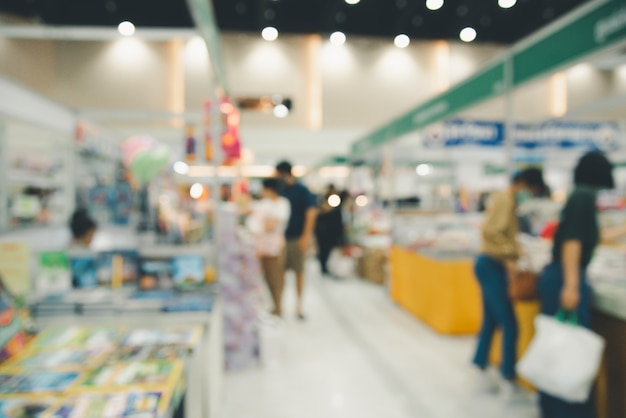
(468, 34)
(402, 41)
(126, 28)
(270, 33)
(506, 4)
(353, 1)
(434, 4)
(338, 38)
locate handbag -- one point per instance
(523, 286)
(563, 358)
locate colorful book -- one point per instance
(55, 274)
(25, 407)
(36, 382)
(188, 270)
(118, 405)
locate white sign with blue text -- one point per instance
(602, 136)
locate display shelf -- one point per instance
(40, 180)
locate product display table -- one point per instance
(438, 288)
(82, 371)
(205, 365)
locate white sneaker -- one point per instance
(512, 393)
(485, 381)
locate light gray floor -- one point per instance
(358, 355)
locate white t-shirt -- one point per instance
(269, 243)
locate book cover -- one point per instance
(36, 382)
(123, 404)
(55, 275)
(188, 270)
(84, 271)
(149, 373)
(25, 407)
(130, 266)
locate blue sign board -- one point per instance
(603, 136)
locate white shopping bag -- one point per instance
(340, 265)
(563, 359)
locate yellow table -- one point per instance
(442, 293)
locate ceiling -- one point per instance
(380, 18)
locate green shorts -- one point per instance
(293, 257)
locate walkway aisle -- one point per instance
(359, 356)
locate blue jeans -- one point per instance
(497, 313)
(550, 285)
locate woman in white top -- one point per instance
(268, 223)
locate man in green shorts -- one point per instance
(300, 227)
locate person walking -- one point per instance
(496, 263)
(563, 283)
(268, 223)
(329, 229)
(300, 227)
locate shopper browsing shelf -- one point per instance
(268, 223)
(300, 227)
(83, 228)
(497, 262)
(563, 283)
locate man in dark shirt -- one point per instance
(300, 227)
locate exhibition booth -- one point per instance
(538, 105)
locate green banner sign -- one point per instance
(597, 29)
(589, 29)
(485, 84)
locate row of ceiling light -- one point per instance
(338, 38)
(438, 4)
(401, 41)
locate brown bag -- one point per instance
(523, 286)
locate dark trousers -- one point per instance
(550, 286)
(497, 313)
(325, 247)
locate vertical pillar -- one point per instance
(509, 125)
(4, 180)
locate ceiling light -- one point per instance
(353, 1)
(402, 41)
(281, 111)
(338, 38)
(424, 169)
(181, 168)
(434, 4)
(506, 4)
(334, 201)
(468, 34)
(270, 33)
(196, 191)
(361, 201)
(126, 28)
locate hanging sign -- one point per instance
(603, 136)
(231, 144)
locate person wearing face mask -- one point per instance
(496, 263)
(563, 283)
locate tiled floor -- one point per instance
(360, 356)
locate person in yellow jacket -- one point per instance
(494, 266)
